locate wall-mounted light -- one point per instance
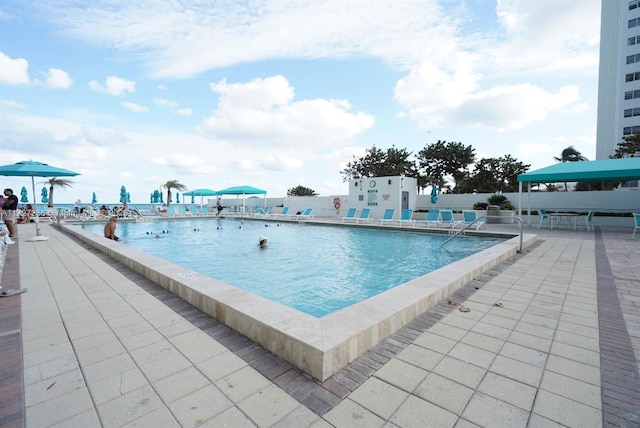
(389, 181)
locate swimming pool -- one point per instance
(316, 269)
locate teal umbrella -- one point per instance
(23, 195)
(434, 193)
(94, 199)
(35, 169)
(177, 198)
(123, 195)
(45, 195)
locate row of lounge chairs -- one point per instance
(435, 217)
(181, 211)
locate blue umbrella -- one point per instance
(45, 195)
(434, 193)
(94, 199)
(177, 198)
(23, 195)
(123, 194)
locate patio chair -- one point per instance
(364, 215)
(305, 214)
(446, 218)
(544, 217)
(284, 213)
(405, 217)
(351, 214)
(587, 220)
(388, 215)
(636, 217)
(470, 218)
(433, 217)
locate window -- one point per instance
(629, 95)
(629, 130)
(632, 112)
(631, 41)
(633, 22)
(630, 183)
(633, 4)
(630, 77)
(633, 58)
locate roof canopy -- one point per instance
(200, 192)
(242, 190)
(599, 170)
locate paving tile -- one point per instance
(54, 352)
(240, 384)
(435, 342)
(268, 406)
(499, 321)
(117, 385)
(381, 398)
(53, 387)
(180, 384)
(574, 389)
(485, 410)
(196, 345)
(482, 341)
(300, 417)
(473, 355)
(232, 418)
(220, 366)
(578, 340)
(420, 357)
(401, 374)
(100, 353)
(530, 341)
(492, 330)
(160, 417)
(517, 370)
(575, 353)
(575, 369)
(58, 409)
(128, 407)
(445, 393)
(418, 413)
(165, 366)
(508, 390)
(350, 414)
(460, 371)
(200, 406)
(142, 340)
(524, 354)
(448, 331)
(565, 411)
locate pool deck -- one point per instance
(93, 343)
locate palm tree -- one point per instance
(570, 155)
(173, 184)
(57, 182)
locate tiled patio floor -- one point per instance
(95, 344)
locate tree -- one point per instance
(57, 182)
(173, 184)
(301, 191)
(378, 163)
(446, 159)
(494, 175)
(570, 155)
(629, 147)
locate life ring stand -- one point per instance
(336, 203)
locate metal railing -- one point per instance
(466, 226)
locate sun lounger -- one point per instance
(388, 216)
(433, 218)
(406, 217)
(351, 215)
(305, 214)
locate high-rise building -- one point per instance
(619, 78)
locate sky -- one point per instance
(276, 94)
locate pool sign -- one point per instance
(372, 198)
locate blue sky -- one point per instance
(276, 94)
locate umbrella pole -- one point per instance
(38, 237)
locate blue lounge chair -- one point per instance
(171, 210)
(182, 211)
(364, 215)
(284, 213)
(636, 217)
(433, 217)
(388, 215)
(351, 214)
(406, 215)
(305, 214)
(470, 218)
(446, 218)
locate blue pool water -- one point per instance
(315, 269)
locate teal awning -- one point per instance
(599, 170)
(242, 190)
(200, 192)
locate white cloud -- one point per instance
(56, 79)
(172, 106)
(13, 71)
(113, 86)
(264, 109)
(136, 108)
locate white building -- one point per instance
(619, 78)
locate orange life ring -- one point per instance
(336, 203)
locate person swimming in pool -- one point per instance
(263, 242)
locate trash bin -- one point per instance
(493, 212)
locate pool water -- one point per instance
(315, 269)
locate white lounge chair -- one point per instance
(406, 217)
(433, 217)
(351, 214)
(364, 215)
(470, 218)
(447, 219)
(388, 215)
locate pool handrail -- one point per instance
(484, 217)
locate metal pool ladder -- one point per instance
(481, 218)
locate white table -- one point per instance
(561, 217)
